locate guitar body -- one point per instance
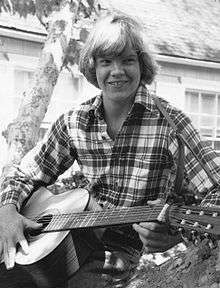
(52, 271)
(43, 202)
(52, 256)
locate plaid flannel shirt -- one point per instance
(137, 166)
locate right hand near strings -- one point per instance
(12, 227)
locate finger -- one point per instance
(153, 239)
(1, 252)
(151, 226)
(141, 230)
(153, 243)
(93, 205)
(9, 255)
(24, 245)
(150, 250)
(29, 224)
(145, 233)
(154, 226)
(155, 248)
(159, 244)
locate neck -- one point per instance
(115, 115)
(117, 109)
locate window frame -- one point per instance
(214, 139)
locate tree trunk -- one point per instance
(22, 134)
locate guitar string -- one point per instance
(102, 217)
(115, 211)
(55, 222)
(78, 221)
(97, 214)
(94, 216)
(187, 225)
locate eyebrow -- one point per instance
(130, 55)
(121, 54)
(133, 54)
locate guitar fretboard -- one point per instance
(89, 219)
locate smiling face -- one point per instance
(118, 76)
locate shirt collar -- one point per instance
(142, 98)
(96, 108)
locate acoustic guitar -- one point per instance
(52, 252)
(61, 213)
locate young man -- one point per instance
(124, 147)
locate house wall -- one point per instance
(174, 79)
(21, 60)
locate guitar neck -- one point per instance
(200, 219)
(92, 219)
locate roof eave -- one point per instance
(188, 61)
(19, 34)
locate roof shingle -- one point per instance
(181, 28)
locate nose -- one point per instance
(117, 68)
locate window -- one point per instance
(22, 80)
(203, 107)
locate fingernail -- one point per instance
(25, 250)
(10, 265)
(24, 246)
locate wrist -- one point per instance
(9, 206)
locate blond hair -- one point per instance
(110, 36)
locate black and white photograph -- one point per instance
(110, 144)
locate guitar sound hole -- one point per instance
(45, 220)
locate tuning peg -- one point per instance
(195, 237)
(192, 236)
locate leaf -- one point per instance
(22, 7)
(83, 34)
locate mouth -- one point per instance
(118, 83)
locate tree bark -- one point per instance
(22, 134)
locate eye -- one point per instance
(129, 60)
(104, 61)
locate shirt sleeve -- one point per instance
(195, 176)
(41, 166)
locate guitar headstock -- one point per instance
(203, 220)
